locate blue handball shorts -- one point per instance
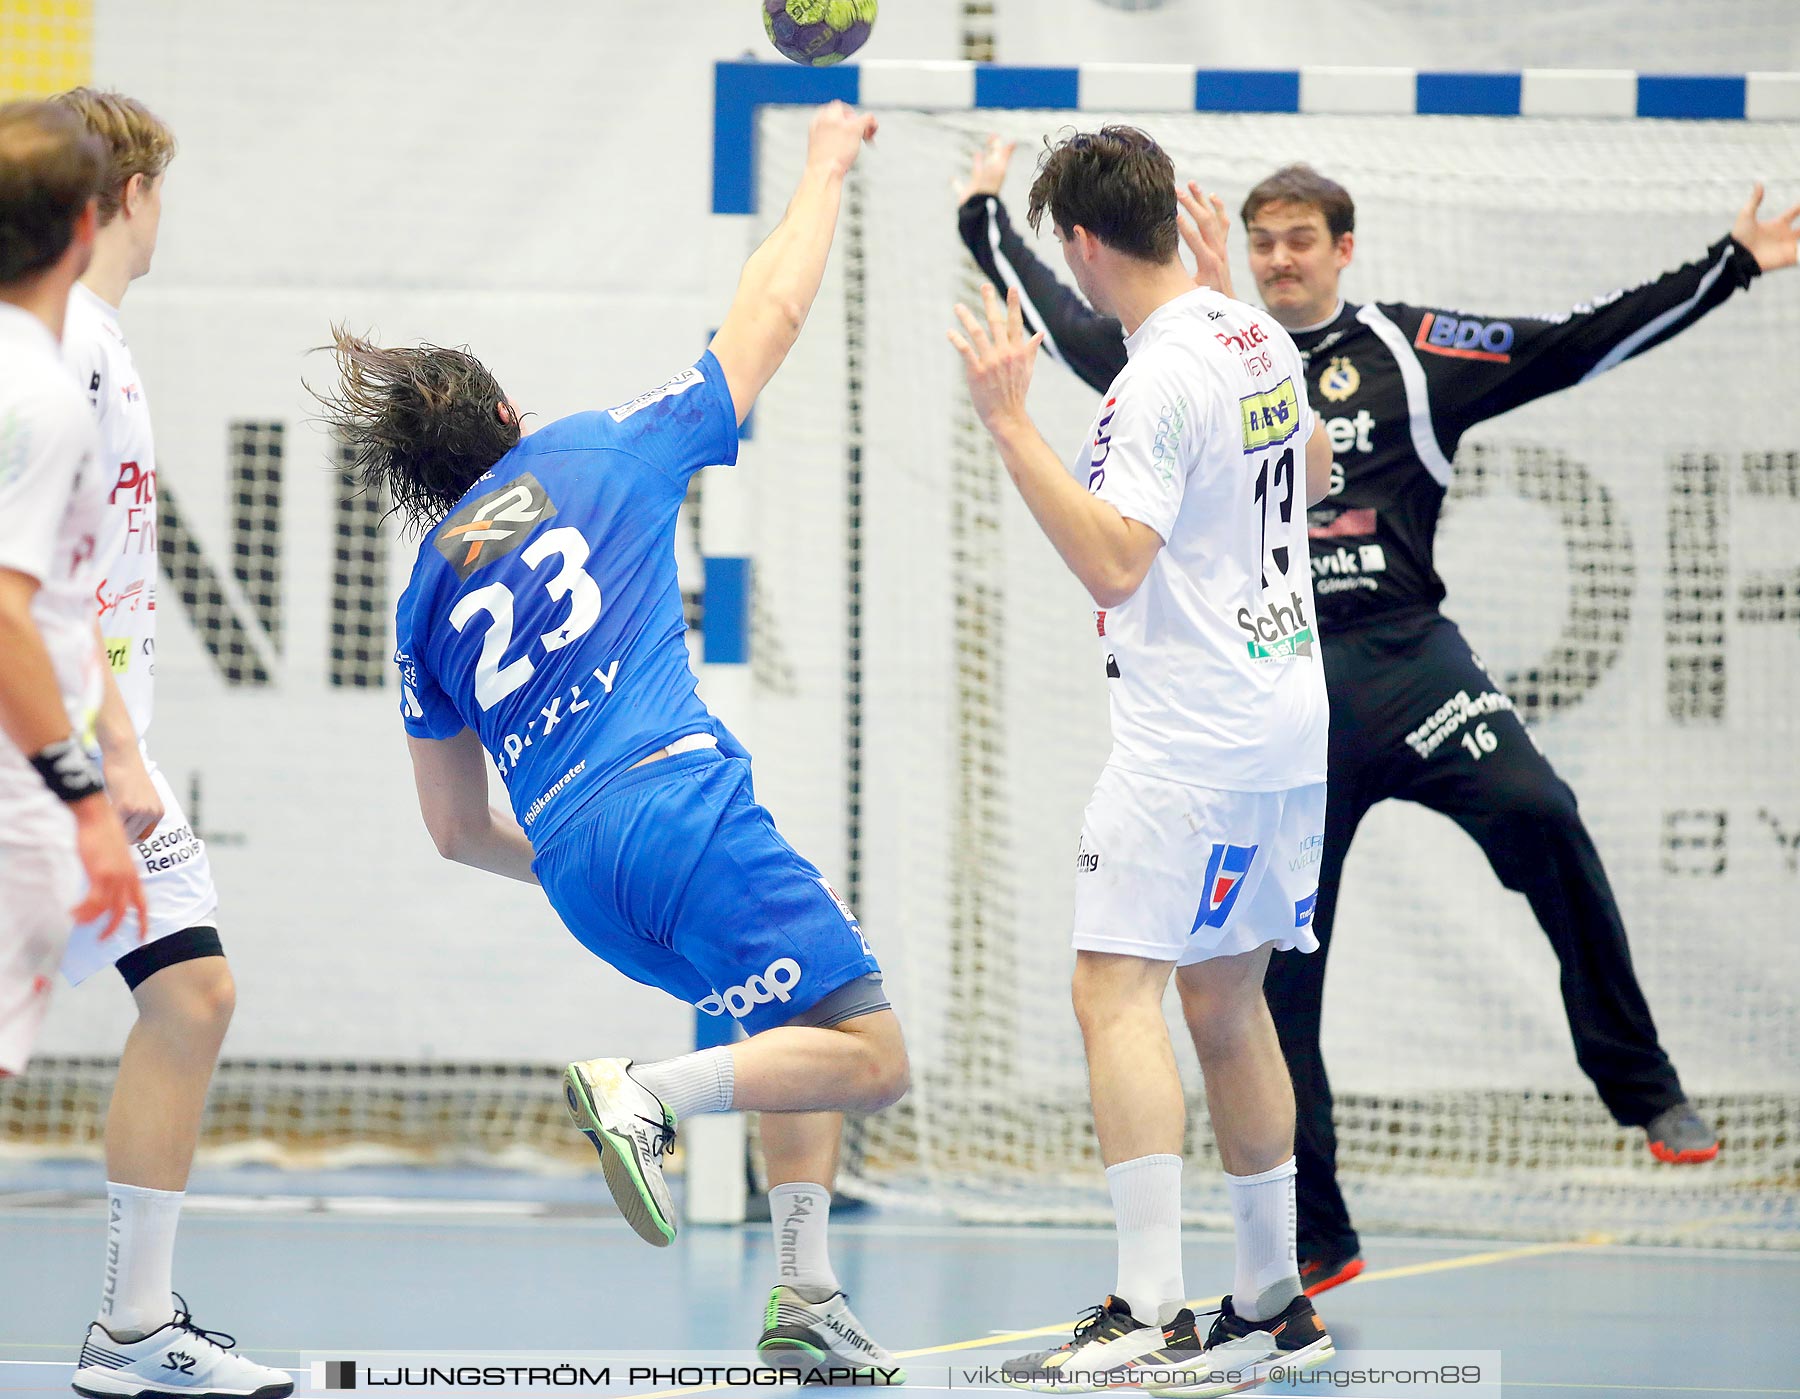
(673, 874)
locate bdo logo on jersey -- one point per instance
(773, 984)
(493, 526)
(1463, 338)
(1225, 871)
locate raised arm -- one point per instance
(1109, 551)
(1479, 367)
(782, 276)
(1092, 345)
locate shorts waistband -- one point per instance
(676, 762)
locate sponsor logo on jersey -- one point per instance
(1303, 909)
(1171, 422)
(1312, 850)
(127, 599)
(1448, 718)
(1225, 871)
(1102, 446)
(118, 654)
(1243, 341)
(553, 791)
(849, 917)
(1463, 338)
(169, 849)
(1086, 861)
(1280, 629)
(1351, 434)
(1339, 381)
(1270, 417)
(1100, 624)
(1344, 562)
(140, 485)
(493, 526)
(681, 383)
(772, 984)
(557, 710)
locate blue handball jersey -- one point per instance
(544, 612)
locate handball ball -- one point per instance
(818, 32)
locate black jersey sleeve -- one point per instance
(1090, 344)
(1478, 367)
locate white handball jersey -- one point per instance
(95, 350)
(50, 522)
(1213, 663)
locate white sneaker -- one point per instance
(632, 1131)
(820, 1324)
(1107, 1345)
(178, 1358)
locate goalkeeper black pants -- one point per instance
(1414, 715)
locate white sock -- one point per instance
(1268, 1268)
(798, 1213)
(140, 1259)
(1146, 1196)
(697, 1082)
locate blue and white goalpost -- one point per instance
(920, 689)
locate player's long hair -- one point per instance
(422, 423)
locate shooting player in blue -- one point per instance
(542, 631)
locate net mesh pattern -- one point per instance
(1619, 554)
(306, 1114)
(360, 656)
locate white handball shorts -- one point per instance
(1176, 873)
(39, 884)
(178, 891)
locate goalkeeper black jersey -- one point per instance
(1396, 387)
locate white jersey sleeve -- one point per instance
(46, 441)
(1144, 443)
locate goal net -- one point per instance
(931, 712)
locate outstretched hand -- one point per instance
(987, 171)
(1773, 242)
(997, 360)
(836, 135)
(1205, 228)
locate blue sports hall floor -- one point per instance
(404, 1269)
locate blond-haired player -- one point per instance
(140, 1342)
(56, 824)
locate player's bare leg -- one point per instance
(1139, 1116)
(152, 1127)
(858, 1066)
(789, 1072)
(1266, 1320)
(141, 1344)
(1132, 1080)
(629, 1111)
(1248, 1091)
(802, 1146)
(808, 1311)
(165, 1069)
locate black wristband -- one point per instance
(68, 771)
